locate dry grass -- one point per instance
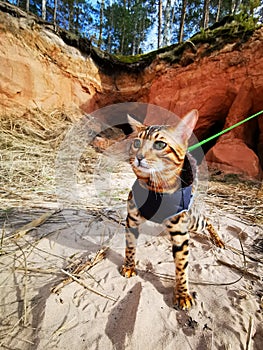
(241, 198)
(28, 147)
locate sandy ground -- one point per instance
(107, 311)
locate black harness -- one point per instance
(157, 207)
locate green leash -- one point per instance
(193, 147)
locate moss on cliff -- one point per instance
(230, 30)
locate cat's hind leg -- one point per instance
(133, 221)
(199, 223)
(214, 235)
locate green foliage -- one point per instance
(129, 27)
(128, 23)
(246, 15)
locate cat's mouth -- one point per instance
(144, 168)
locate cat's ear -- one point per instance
(135, 124)
(187, 124)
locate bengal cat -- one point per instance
(163, 193)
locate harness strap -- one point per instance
(158, 207)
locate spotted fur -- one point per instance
(159, 158)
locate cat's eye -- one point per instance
(137, 143)
(159, 145)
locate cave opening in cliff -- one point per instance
(126, 128)
(252, 138)
(213, 129)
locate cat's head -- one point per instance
(157, 152)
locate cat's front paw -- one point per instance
(127, 271)
(183, 302)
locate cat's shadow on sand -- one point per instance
(122, 318)
(165, 289)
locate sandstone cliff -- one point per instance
(219, 73)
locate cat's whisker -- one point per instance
(160, 181)
(154, 180)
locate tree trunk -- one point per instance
(55, 12)
(101, 23)
(70, 17)
(123, 30)
(109, 42)
(206, 14)
(234, 6)
(167, 24)
(160, 15)
(44, 10)
(218, 10)
(182, 20)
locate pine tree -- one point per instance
(128, 23)
(168, 22)
(205, 14)
(102, 4)
(182, 21)
(44, 9)
(160, 15)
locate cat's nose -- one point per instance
(139, 157)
